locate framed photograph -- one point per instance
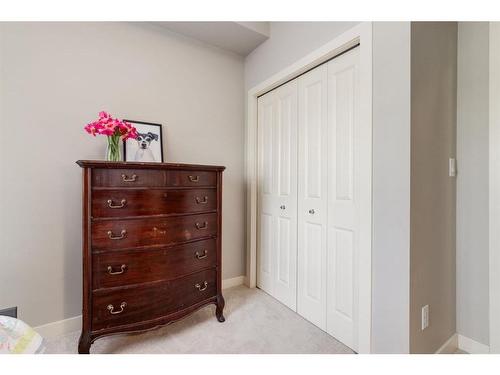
(148, 147)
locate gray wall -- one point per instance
(433, 191)
(472, 180)
(391, 187)
(494, 150)
(288, 42)
(56, 77)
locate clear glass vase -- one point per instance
(113, 149)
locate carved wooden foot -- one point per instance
(84, 344)
(220, 308)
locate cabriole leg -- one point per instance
(220, 308)
(84, 344)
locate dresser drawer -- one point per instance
(123, 234)
(139, 266)
(142, 303)
(141, 202)
(102, 177)
(191, 178)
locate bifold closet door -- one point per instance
(277, 195)
(346, 165)
(312, 196)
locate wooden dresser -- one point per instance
(151, 245)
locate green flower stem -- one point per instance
(114, 150)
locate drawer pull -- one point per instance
(122, 204)
(204, 201)
(111, 308)
(204, 226)
(194, 178)
(122, 270)
(201, 256)
(200, 287)
(122, 235)
(125, 178)
(158, 231)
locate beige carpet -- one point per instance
(255, 323)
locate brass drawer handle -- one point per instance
(194, 178)
(205, 225)
(201, 256)
(204, 201)
(158, 231)
(111, 308)
(122, 204)
(122, 235)
(122, 270)
(125, 178)
(201, 288)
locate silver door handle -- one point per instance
(282, 207)
(311, 211)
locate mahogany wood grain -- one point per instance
(133, 233)
(190, 178)
(152, 178)
(129, 178)
(150, 301)
(143, 202)
(147, 165)
(142, 266)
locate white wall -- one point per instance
(288, 42)
(55, 77)
(472, 180)
(391, 187)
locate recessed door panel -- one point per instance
(313, 259)
(283, 261)
(312, 195)
(312, 93)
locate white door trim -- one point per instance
(494, 188)
(362, 34)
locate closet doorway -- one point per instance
(314, 194)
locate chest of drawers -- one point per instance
(151, 245)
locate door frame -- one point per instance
(359, 34)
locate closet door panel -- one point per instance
(285, 271)
(312, 194)
(277, 129)
(266, 192)
(343, 197)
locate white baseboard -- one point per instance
(470, 346)
(62, 327)
(235, 281)
(450, 346)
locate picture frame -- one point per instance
(148, 147)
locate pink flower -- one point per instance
(109, 126)
(104, 115)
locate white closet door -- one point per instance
(278, 193)
(344, 184)
(266, 190)
(312, 193)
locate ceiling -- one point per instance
(238, 37)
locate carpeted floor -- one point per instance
(255, 323)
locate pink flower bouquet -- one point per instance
(115, 130)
